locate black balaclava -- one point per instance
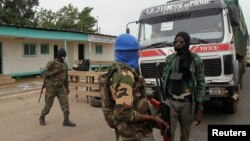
(61, 54)
(185, 55)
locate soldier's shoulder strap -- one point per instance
(114, 68)
(128, 68)
(107, 76)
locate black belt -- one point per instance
(185, 99)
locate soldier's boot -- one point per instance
(69, 123)
(42, 120)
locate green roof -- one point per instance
(26, 32)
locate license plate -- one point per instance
(215, 91)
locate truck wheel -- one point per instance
(230, 106)
(244, 64)
(241, 84)
(240, 75)
(96, 102)
(237, 72)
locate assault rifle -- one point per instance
(44, 84)
(164, 109)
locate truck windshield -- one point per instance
(203, 26)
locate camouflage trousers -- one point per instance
(61, 94)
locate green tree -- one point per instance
(24, 13)
(1, 9)
(67, 18)
(85, 21)
(18, 12)
(46, 18)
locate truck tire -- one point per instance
(96, 102)
(241, 74)
(243, 64)
(230, 106)
(238, 74)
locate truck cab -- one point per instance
(212, 37)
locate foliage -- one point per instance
(18, 12)
(67, 18)
(46, 18)
(85, 20)
(25, 13)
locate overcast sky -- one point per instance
(113, 15)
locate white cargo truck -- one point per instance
(218, 34)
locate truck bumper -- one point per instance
(222, 92)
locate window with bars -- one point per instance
(98, 49)
(29, 49)
(44, 48)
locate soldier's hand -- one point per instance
(159, 123)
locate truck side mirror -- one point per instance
(127, 29)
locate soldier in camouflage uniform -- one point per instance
(184, 86)
(131, 113)
(57, 85)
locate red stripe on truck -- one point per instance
(211, 48)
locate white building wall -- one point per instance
(107, 55)
(14, 62)
(70, 54)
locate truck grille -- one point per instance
(148, 70)
(212, 67)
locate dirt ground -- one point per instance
(19, 115)
(20, 86)
(19, 120)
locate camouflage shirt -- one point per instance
(127, 91)
(58, 80)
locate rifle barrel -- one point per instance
(162, 106)
(43, 86)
